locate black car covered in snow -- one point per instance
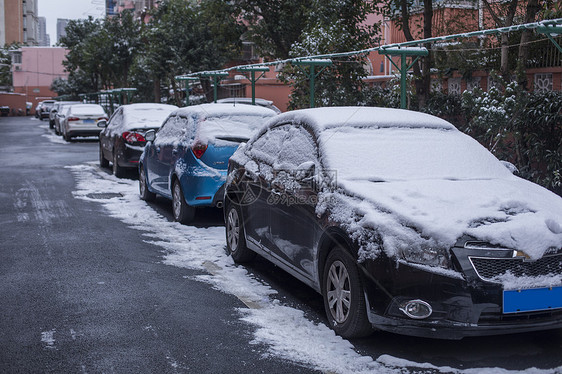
(400, 221)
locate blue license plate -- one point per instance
(536, 299)
(88, 121)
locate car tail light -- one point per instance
(198, 149)
(71, 119)
(133, 137)
(103, 118)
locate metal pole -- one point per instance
(253, 74)
(215, 88)
(403, 72)
(312, 76)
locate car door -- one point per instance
(170, 139)
(294, 227)
(108, 134)
(258, 189)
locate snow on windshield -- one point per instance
(397, 153)
(147, 116)
(229, 127)
(87, 109)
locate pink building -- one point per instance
(35, 69)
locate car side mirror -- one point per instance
(102, 123)
(305, 171)
(512, 168)
(150, 135)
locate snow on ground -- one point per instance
(284, 330)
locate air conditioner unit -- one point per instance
(17, 68)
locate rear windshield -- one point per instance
(87, 110)
(229, 128)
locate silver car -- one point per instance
(81, 120)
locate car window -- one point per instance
(116, 119)
(175, 130)
(115, 122)
(284, 147)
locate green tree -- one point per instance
(103, 51)
(274, 25)
(332, 27)
(6, 64)
(185, 36)
(81, 56)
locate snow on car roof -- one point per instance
(219, 110)
(364, 117)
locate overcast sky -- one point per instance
(70, 9)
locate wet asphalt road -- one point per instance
(82, 292)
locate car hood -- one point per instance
(512, 213)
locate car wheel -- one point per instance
(145, 194)
(235, 241)
(104, 163)
(344, 299)
(183, 213)
(118, 171)
(51, 124)
(66, 137)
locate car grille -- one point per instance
(488, 268)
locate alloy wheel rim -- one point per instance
(338, 291)
(176, 203)
(233, 230)
(142, 182)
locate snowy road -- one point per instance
(280, 319)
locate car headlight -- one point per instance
(431, 256)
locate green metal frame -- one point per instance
(186, 80)
(252, 78)
(217, 76)
(547, 27)
(549, 31)
(311, 72)
(404, 53)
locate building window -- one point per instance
(249, 51)
(454, 86)
(16, 57)
(543, 82)
(473, 83)
(368, 66)
(436, 85)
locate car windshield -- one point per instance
(398, 154)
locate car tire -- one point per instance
(51, 124)
(66, 137)
(104, 163)
(118, 171)
(235, 240)
(182, 212)
(145, 194)
(344, 298)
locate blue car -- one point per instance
(187, 159)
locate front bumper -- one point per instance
(462, 303)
